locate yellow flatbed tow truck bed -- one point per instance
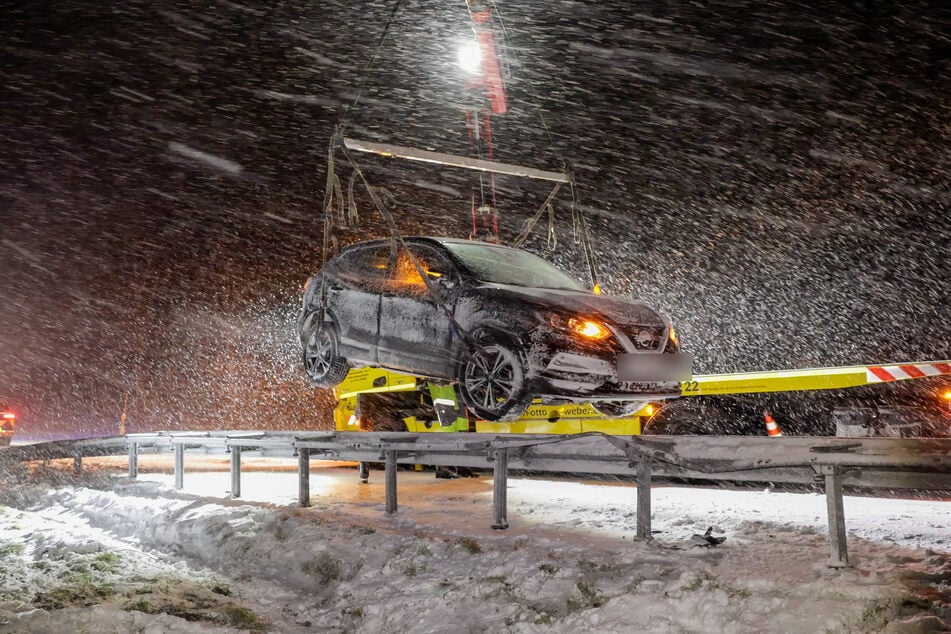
(571, 418)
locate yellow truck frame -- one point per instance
(575, 418)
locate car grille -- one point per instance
(645, 337)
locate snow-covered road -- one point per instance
(99, 552)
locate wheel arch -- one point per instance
(497, 331)
(308, 323)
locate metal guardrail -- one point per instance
(869, 463)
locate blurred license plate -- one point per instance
(654, 367)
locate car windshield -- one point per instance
(501, 265)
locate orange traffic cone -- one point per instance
(772, 429)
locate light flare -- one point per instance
(470, 57)
(588, 329)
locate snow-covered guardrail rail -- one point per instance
(869, 463)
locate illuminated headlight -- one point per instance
(673, 340)
(672, 335)
(579, 326)
(588, 329)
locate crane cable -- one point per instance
(333, 186)
(366, 69)
(333, 182)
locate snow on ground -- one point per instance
(100, 552)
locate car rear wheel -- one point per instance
(492, 382)
(617, 409)
(322, 362)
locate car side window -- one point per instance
(405, 278)
(436, 264)
(366, 268)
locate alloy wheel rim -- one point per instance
(319, 353)
(490, 378)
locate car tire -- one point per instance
(617, 409)
(492, 381)
(322, 361)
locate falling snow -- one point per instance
(772, 177)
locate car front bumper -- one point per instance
(592, 374)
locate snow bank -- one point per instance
(101, 552)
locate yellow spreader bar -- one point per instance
(811, 379)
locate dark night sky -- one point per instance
(772, 175)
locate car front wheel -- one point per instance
(322, 362)
(492, 382)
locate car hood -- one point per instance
(621, 311)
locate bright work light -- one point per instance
(470, 57)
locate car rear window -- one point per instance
(364, 267)
(501, 265)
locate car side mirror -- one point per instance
(446, 281)
(443, 280)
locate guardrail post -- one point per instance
(236, 472)
(836, 511)
(133, 460)
(180, 465)
(500, 473)
(303, 476)
(390, 482)
(644, 498)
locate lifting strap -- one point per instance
(531, 222)
(581, 234)
(579, 230)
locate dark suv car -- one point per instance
(504, 323)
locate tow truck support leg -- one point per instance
(303, 476)
(644, 498)
(390, 481)
(236, 472)
(500, 474)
